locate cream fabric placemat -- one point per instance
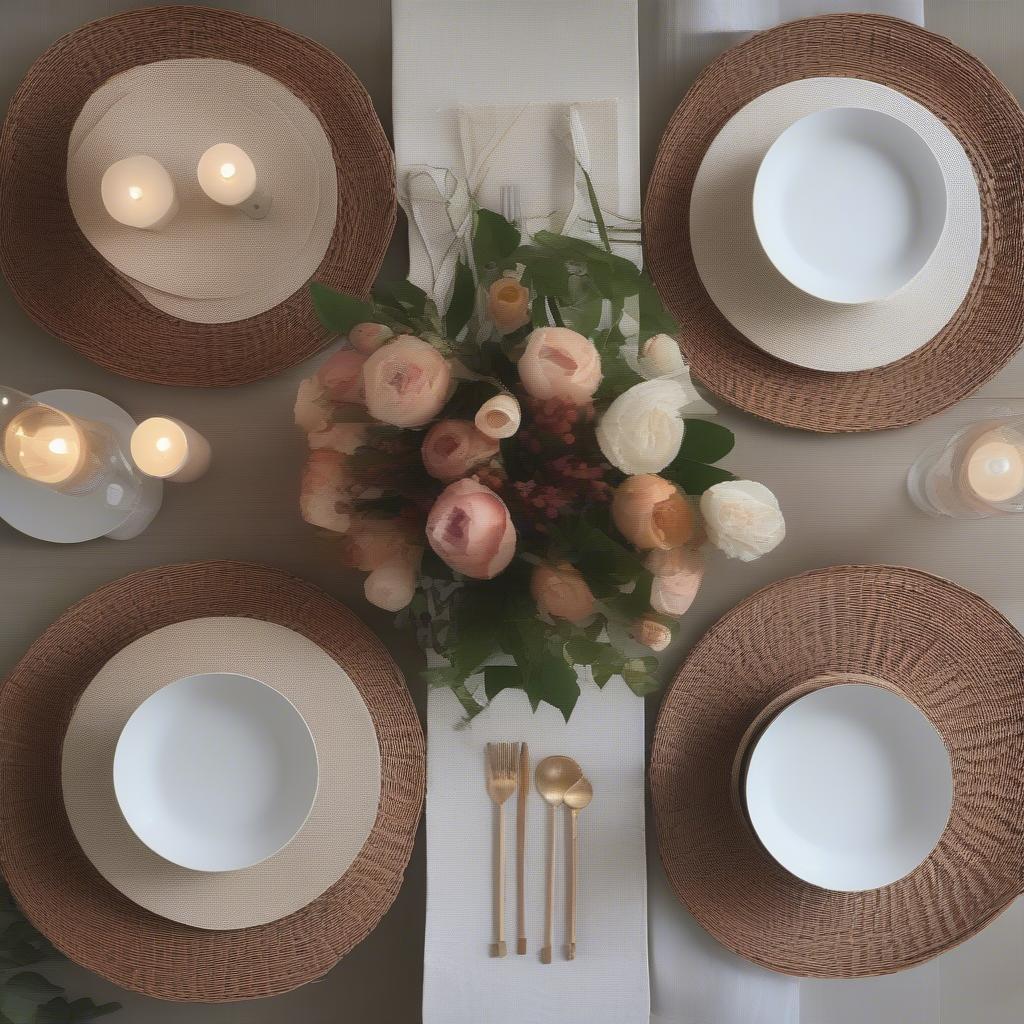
(780, 318)
(211, 263)
(347, 751)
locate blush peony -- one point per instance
(672, 593)
(508, 303)
(470, 529)
(651, 512)
(453, 448)
(559, 363)
(562, 592)
(342, 375)
(367, 338)
(325, 495)
(406, 382)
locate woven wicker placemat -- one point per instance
(942, 647)
(72, 292)
(64, 896)
(983, 334)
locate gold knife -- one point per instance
(524, 789)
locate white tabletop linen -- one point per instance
(463, 71)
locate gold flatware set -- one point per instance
(560, 781)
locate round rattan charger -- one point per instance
(64, 896)
(940, 646)
(72, 292)
(986, 330)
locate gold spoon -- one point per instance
(554, 777)
(577, 796)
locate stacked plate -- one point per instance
(821, 222)
(213, 778)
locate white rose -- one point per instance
(742, 518)
(660, 357)
(641, 431)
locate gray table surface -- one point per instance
(843, 496)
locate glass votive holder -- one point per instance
(978, 473)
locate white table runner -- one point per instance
(450, 54)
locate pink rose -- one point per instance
(407, 382)
(562, 592)
(470, 528)
(343, 438)
(367, 338)
(559, 363)
(453, 448)
(342, 375)
(324, 497)
(650, 512)
(508, 303)
(673, 594)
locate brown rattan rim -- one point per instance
(942, 647)
(988, 328)
(67, 288)
(64, 896)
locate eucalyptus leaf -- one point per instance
(339, 313)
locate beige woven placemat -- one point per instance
(89, 920)
(988, 327)
(211, 264)
(774, 314)
(347, 754)
(942, 647)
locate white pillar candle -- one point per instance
(227, 174)
(138, 191)
(45, 445)
(995, 470)
(169, 449)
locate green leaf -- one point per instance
(460, 308)
(547, 276)
(595, 206)
(584, 316)
(556, 313)
(443, 676)
(694, 477)
(539, 312)
(339, 312)
(402, 296)
(654, 318)
(494, 239)
(501, 677)
(705, 441)
(580, 650)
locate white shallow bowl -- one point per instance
(849, 787)
(849, 204)
(216, 772)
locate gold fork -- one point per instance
(502, 763)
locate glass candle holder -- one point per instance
(65, 453)
(977, 473)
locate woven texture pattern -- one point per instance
(91, 922)
(987, 329)
(942, 647)
(70, 290)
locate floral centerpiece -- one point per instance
(525, 477)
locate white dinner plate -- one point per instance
(849, 204)
(216, 772)
(771, 311)
(849, 787)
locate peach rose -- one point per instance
(367, 338)
(499, 417)
(559, 363)
(562, 592)
(407, 382)
(372, 543)
(324, 497)
(673, 593)
(651, 512)
(343, 438)
(508, 303)
(453, 448)
(651, 633)
(470, 529)
(312, 408)
(342, 375)
(393, 586)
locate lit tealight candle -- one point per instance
(995, 470)
(227, 174)
(138, 192)
(45, 445)
(169, 449)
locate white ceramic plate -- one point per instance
(849, 787)
(216, 772)
(849, 204)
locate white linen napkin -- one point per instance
(498, 85)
